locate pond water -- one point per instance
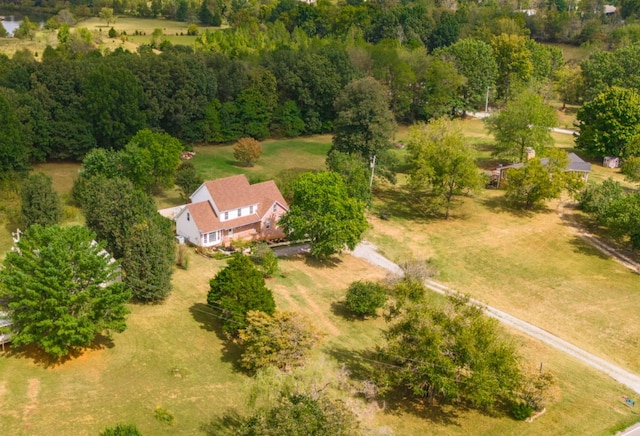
(10, 23)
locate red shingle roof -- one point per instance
(230, 192)
(233, 193)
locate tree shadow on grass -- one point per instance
(328, 262)
(39, 357)
(582, 246)
(500, 205)
(363, 365)
(399, 202)
(209, 320)
(225, 425)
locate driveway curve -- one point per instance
(368, 251)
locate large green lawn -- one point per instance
(172, 356)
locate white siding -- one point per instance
(187, 228)
(202, 194)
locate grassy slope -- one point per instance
(126, 382)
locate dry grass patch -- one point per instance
(531, 265)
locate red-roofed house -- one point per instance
(226, 209)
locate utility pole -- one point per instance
(372, 164)
(486, 102)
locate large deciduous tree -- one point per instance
(442, 164)
(150, 160)
(40, 203)
(282, 340)
(525, 122)
(323, 212)
(450, 350)
(364, 123)
(514, 62)
(60, 289)
(474, 60)
(236, 290)
(609, 122)
(538, 181)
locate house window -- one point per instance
(210, 238)
(268, 224)
(188, 217)
(275, 207)
(239, 212)
(250, 209)
(226, 216)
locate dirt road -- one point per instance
(367, 251)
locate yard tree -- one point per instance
(442, 87)
(247, 151)
(448, 349)
(442, 164)
(623, 218)
(301, 414)
(26, 29)
(40, 203)
(187, 178)
(282, 340)
(364, 123)
(112, 207)
(150, 160)
(354, 170)
(569, 84)
(530, 186)
(514, 62)
(149, 255)
(106, 14)
(596, 198)
(609, 122)
(323, 212)
(61, 290)
(236, 290)
(364, 298)
(525, 122)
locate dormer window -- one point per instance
(275, 207)
(250, 209)
(239, 212)
(188, 217)
(226, 216)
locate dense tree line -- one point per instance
(248, 81)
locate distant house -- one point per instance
(576, 165)
(230, 209)
(5, 329)
(611, 162)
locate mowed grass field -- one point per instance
(172, 355)
(138, 31)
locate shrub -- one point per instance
(121, 430)
(364, 297)
(521, 411)
(631, 168)
(182, 257)
(113, 33)
(192, 30)
(247, 151)
(163, 415)
(265, 260)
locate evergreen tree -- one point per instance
(40, 203)
(237, 289)
(61, 290)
